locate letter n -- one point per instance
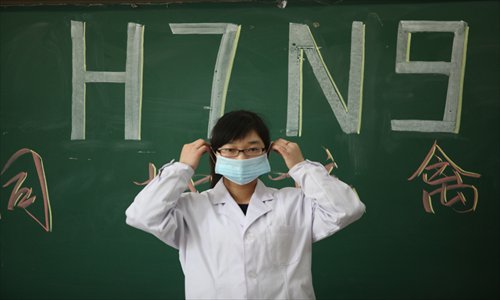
(348, 116)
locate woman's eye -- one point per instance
(230, 151)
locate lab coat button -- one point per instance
(252, 274)
(249, 237)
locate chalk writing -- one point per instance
(301, 44)
(191, 185)
(438, 170)
(152, 175)
(454, 70)
(21, 196)
(132, 77)
(223, 64)
(301, 41)
(329, 167)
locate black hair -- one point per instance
(233, 126)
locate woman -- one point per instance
(241, 239)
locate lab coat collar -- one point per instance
(256, 208)
(221, 195)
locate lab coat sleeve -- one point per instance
(334, 203)
(155, 209)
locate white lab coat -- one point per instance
(265, 254)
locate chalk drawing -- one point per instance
(438, 170)
(132, 77)
(223, 65)
(349, 116)
(455, 69)
(329, 167)
(191, 185)
(21, 196)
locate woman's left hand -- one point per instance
(289, 151)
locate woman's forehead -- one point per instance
(252, 138)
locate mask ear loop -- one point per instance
(268, 151)
(192, 184)
(212, 155)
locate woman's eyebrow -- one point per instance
(233, 144)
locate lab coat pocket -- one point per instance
(282, 242)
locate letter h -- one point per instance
(132, 77)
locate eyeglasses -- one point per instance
(233, 152)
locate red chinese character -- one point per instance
(21, 196)
(191, 185)
(439, 170)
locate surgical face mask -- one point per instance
(242, 171)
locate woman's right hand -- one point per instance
(191, 153)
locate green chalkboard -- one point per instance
(82, 249)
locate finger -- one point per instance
(281, 141)
(282, 150)
(287, 145)
(279, 144)
(199, 143)
(292, 146)
(275, 146)
(202, 149)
